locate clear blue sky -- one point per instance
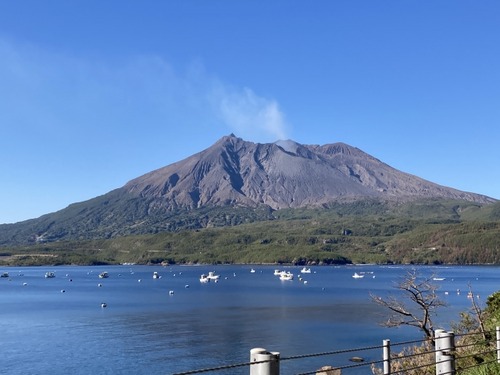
(94, 93)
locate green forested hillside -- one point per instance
(361, 232)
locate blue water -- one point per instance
(58, 326)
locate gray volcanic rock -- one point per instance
(230, 183)
(284, 174)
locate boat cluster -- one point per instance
(48, 275)
(283, 275)
(105, 275)
(287, 275)
(210, 277)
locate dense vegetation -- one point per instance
(417, 304)
(430, 232)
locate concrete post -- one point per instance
(270, 367)
(498, 344)
(387, 356)
(445, 347)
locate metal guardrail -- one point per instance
(449, 355)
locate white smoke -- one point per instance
(250, 116)
(141, 93)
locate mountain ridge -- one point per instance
(231, 182)
(233, 170)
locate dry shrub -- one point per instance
(414, 360)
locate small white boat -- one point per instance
(277, 272)
(305, 270)
(50, 275)
(103, 275)
(357, 276)
(204, 279)
(156, 275)
(252, 270)
(213, 276)
(438, 278)
(286, 276)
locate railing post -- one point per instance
(445, 347)
(498, 344)
(387, 356)
(271, 366)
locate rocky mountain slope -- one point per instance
(284, 174)
(231, 182)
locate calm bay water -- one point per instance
(57, 325)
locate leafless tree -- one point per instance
(416, 306)
(477, 314)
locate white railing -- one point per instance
(449, 354)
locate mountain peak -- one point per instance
(283, 174)
(288, 145)
(233, 174)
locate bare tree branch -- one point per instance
(421, 293)
(477, 313)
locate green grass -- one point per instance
(366, 232)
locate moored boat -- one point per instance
(285, 275)
(103, 275)
(213, 276)
(204, 279)
(50, 275)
